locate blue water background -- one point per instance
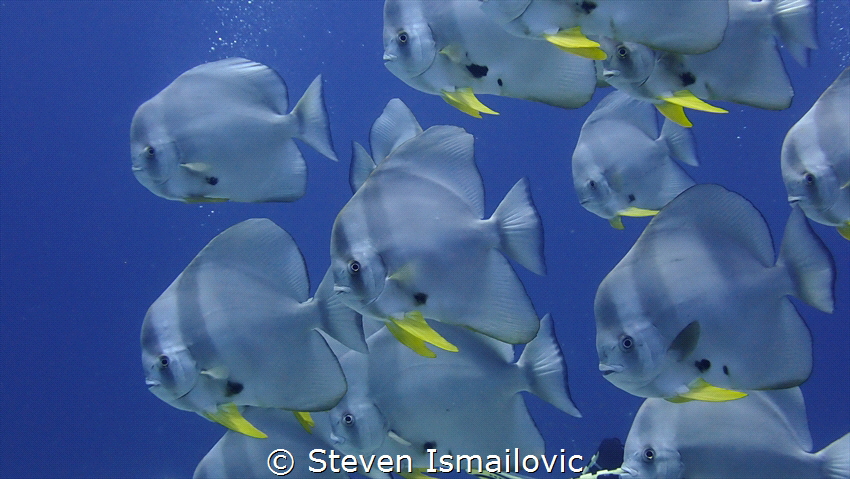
(85, 249)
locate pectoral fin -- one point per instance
(464, 100)
(414, 332)
(305, 419)
(700, 390)
(228, 415)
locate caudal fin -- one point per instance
(795, 22)
(520, 228)
(312, 120)
(809, 262)
(835, 459)
(546, 369)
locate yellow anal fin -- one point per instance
(228, 415)
(638, 212)
(204, 199)
(617, 223)
(416, 473)
(305, 419)
(414, 332)
(688, 100)
(464, 100)
(700, 390)
(844, 230)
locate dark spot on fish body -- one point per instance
(631, 198)
(477, 71)
(499, 81)
(233, 388)
(212, 180)
(688, 78)
(429, 445)
(725, 370)
(703, 365)
(587, 6)
(420, 298)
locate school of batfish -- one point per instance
(421, 295)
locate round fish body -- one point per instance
(816, 158)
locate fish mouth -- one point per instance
(388, 57)
(152, 382)
(608, 369)
(606, 73)
(341, 289)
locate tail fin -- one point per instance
(312, 120)
(338, 320)
(795, 22)
(809, 262)
(680, 142)
(520, 228)
(362, 165)
(544, 365)
(836, 458)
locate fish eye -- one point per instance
(810, 178)
(648, 454)
(348, 419)
(592, 184)
(353, 266)
(402, 37)
(626, 343)
(163, 361)
(150, 152)
(622, 51)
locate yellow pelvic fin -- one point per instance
(571, 37)
(417, 473)
(638, 212)
(700, 390)
(413, 331)
(575, 42)
(617, 223)
(204, 199)
(417, 345)
(403, 274)
(228, 415)
(688, 100)
(844, 230)
(305, 419)
(464, 100)
(675, 113)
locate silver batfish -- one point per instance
(450, 48)
(237, 328)
(699, 307)
(765, 434)
(669, 25)
(816, 158)
(221, 131)
(622, 167)
(412, 244)
(745, 68)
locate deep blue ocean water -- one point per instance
(85, 249)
